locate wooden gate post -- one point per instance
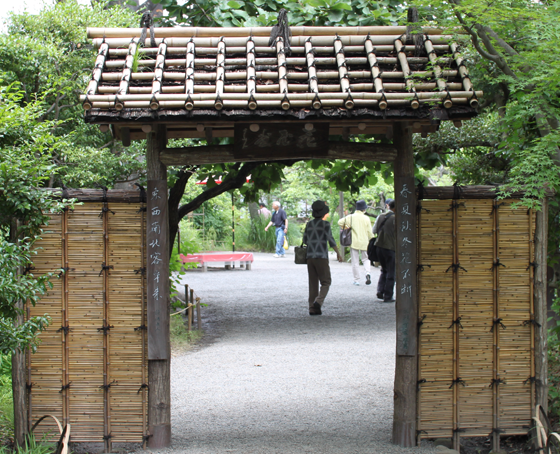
(406, 367)
(157, 234)
(540, 307)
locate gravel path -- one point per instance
(268, 378)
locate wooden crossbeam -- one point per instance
(213, 154)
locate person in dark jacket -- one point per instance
(386, 238)
(318, 236)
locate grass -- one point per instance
(181, 339)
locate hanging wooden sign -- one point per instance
(290, 140)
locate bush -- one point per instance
(6, 402)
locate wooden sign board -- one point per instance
(288, 140)
(157, 272)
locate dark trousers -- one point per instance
(318, 271)
(387, 279)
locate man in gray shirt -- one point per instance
(386, 237)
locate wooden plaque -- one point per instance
(157, 269)
(290, 140)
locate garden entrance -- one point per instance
(283, 98)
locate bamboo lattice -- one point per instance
(91, 368)
(328, 67)
(476, 351)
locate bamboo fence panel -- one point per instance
(125, 235)
(45, 367)
(516, 341)
(84, 357)
(493, 253)
(436, 314)
(476, 309)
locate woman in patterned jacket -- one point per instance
(318, 237)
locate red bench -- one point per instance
(244, 258)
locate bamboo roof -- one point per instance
(233, 73)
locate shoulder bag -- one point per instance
(346, 234)
(300, 255)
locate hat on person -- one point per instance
(319, 208)
(361, 205)
(388, 201)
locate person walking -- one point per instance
(280, 221)
(361, 234)
(264, 211)
(318, 236)
(384, 227)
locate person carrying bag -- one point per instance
(360, 226)
(318, 236)
(385, 248)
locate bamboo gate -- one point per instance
(461, 265)
(90, 369)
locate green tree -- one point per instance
(49, 55)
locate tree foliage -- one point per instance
(25, 145)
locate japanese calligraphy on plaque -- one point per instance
(264, 139)
(157, 263)
(405, 258)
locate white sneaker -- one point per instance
(276, 256)
(356, 283)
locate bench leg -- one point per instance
(228, 265)
(248, 266)
(204, 267)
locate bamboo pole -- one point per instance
(436, 96)
(311, 71)
(98, 69)
(399, 47)
(251, 72)
(158, 74)
(220, 74)
(265, 75)
(341, 64)
(126, 74)
(271, 61)
(262, 50)
(168, 32)
(282, 70)
(467, 85)
(189, 70)
(178, 89)
(374, 65)
(437, 70)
